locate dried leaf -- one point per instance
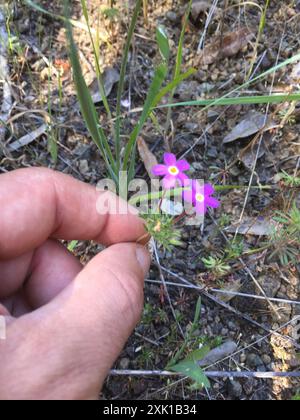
(28, 138)
(233, 286)
(146, 155)
(251, 124)
(256, 227)
(198, 8)
(110, 77)
(227, 46)
(248, 154)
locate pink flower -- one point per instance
(172, 171)
(201, 197)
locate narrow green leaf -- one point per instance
(159, 77)
(243, 100)
(96, 55)
(163, 42)
(198, 354)
(178, 64)
(172, 85)
(198, 311)
(122, 78)
(87, 106)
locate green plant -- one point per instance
(285, 237)
(218, 266)
(261, 28)
(234, 248)
(161, 227)
(113, 158)
(52, 131)
(189, 365)
(289, 180)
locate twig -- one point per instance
(227, 292)
(165, 287)
(209, 374)
(236, 312)
(207, 23)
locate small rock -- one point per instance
(124, 363)
(266, 359)
(219, 353)
(261, 368)
(192, 127)
(212, 152)
(243, 358)
(198, 166)
(83, 166)
(224, 332)
(253, 360)
(235, 389)
(172, 16)
(232, 326)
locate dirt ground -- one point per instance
(38, 54)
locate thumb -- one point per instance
(84, 329)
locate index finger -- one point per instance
(37, 203)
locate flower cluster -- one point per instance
(173, 173)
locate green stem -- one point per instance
(178, 191)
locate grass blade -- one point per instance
(159, 78)
(96, 55)
(163, 42)
(87, 106)
(243, 100)
(122, 80)
(178, 64)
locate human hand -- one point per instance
(66, 325)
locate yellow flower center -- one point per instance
(200, 198)
(173, 170)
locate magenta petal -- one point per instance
(212, 202)
(200, 208)
(170, 159)
(183, 165)
(208, 189)
(159, 170)
(169, 181)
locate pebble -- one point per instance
(224, 332)
(171, 16)
(124, 363)
(243, 358)
(266, 359)
(254, 360)
(232, 326)
(83, 166)
(235, 389)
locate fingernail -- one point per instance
(143, 257)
